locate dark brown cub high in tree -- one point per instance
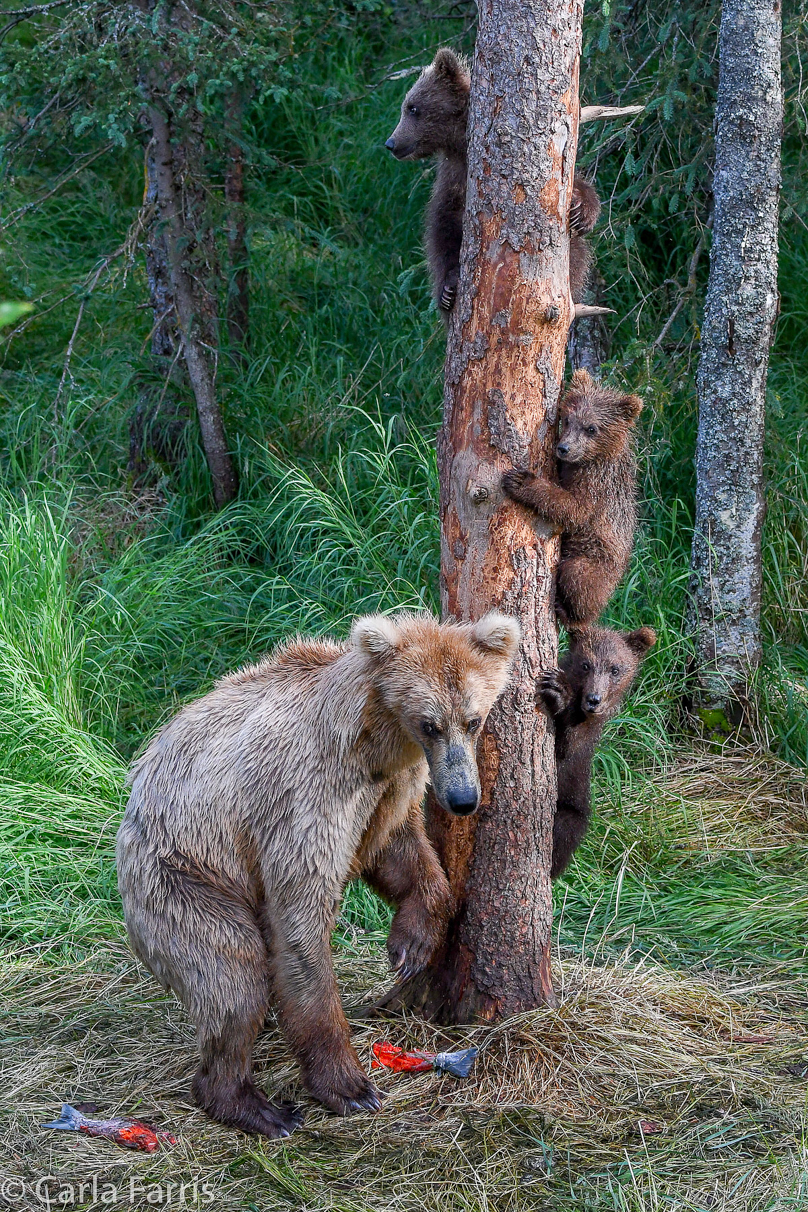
(434, 122)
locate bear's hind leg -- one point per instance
(223, 1085)
(205, 943)
(583, 588)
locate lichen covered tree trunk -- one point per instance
(504, 373)
(739, 314)
(193, 302)
(238, 293)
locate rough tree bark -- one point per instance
(238, 294)
(195, 311)
(739, 314)
(159, 419)
(504, 371)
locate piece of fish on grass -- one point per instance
(129, 1133)
(458, 1064)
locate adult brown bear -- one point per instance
(253, 807)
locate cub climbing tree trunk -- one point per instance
(739, 314)
(504, 371)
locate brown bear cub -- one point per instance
(433, 122)
(255, 805)
(594, 505)
(580, 697)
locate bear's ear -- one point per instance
(631, 406)
(497, 633)
(376, 634)
(640, 641)
(581, 381)
(448, 67)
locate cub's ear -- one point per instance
(631, 406)
(497, 633)
(581, 381)
(449, 67)
(641, 641)
(376, 634)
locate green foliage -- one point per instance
(11, 312)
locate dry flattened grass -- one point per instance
(641, 1082)
(738, 800)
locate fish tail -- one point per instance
(458, 1064)
(69, 1118)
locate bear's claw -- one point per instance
(514, 481)
(240, 1104)
(554, 690)
(447, 298)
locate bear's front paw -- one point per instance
(584, 208)
(414, 937)
(448, 292)
(554, 690)
(515, 481)
(343, 1086)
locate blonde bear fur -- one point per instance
(254, 806)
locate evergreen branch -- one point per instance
(21, 211)
(19, 15)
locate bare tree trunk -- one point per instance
(238, 293)
(158, 420)
(504, 371)
(195, 313)
(589, 341)
(739, 314)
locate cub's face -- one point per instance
(433, 116)
(595, 421)
(601, 666)
(588, 435)
(440, 681)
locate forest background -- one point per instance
(124, 593)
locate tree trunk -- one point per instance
(739, 314)
(238, 292)
(158, 422)
(589, 339)
(504, 371)
(194, 307)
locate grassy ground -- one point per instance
(673, 1073)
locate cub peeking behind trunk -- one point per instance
(587, 690)
(433, 122)
(594, 505)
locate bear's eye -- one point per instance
(413, 109)
(585, 666)
(590, 429)
(429, 728)
(615, 671)
(474, 724)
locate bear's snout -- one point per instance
(391, 144)
(462, 801)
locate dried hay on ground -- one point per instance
(738, 800)
(643, 1087)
